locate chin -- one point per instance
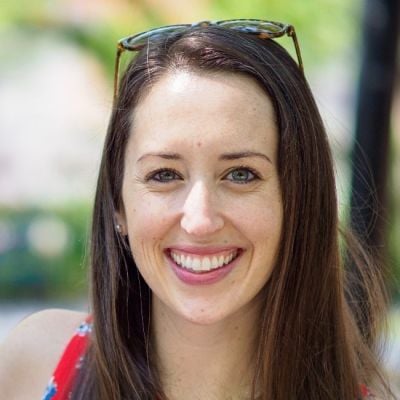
(206, 315)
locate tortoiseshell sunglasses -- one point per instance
(260, 28)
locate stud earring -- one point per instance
(118, 227)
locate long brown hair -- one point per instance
(310, 342)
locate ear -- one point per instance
(120, 223)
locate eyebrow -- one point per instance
(244, 154)
(223, 157)
(166, 156)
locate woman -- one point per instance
(216, 268)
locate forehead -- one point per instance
(211, 108)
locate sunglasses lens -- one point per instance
(142, 39)
(252, 26)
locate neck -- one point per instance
(213, 361)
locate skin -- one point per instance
(30, 353)
(203, 201)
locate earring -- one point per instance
(118, 227)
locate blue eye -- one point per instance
(164, 176)
(242, 175)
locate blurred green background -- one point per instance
(56, 81)
(56, 72)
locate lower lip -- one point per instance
(203, 278)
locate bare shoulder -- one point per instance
(48, 327)
(31, 351)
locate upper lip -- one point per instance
(203, 250)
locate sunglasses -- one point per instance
(258, 28)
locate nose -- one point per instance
(200, 216)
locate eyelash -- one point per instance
(255, 177)
(153, 174)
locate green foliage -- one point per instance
(97, 41)
(393, 222)
(11, 11)
(43, 252)
(323, 28)
(98, 37)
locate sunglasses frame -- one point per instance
(260, 28)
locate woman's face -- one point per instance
(201, 198)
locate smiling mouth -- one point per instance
(203, 264)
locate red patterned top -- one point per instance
(61, 383)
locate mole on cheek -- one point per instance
(199, 144)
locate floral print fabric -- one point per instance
(61, 383)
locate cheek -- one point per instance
(266, 236)
(262, 221)
(148, 216)
(264, 233)
(147, 223)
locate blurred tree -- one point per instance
(369, 199)
(43, 252)
(371, 150)
(322, 30)
(325, 29)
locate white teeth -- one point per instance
(196, 265)
(205, 263)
